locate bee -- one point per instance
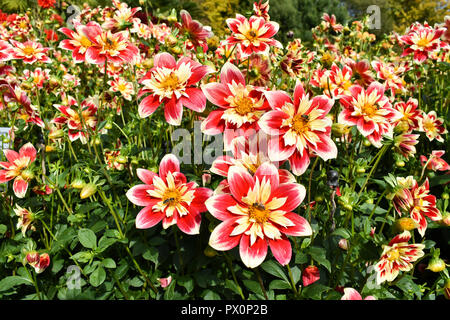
(305, 117)
(168, 200)
(259, 206)
(109, 42)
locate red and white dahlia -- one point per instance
(257, 214)
(248, 153)
(168, 196)
(241, 106)
(77, 127)
(172, 83)
(125, 88)
(29, 51)
(415, 200)
(422, 40)
(77, 41)
(108, 46)
(5, 51)
(17, 167)
(299, 127)
(397, 256)
(370, 110)
(252, 35)
(411, 115)
(432, 126)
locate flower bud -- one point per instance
(209, 252)
(27, 175)
(122, 159)
(32, 257)
(206, 179)
(88, 190)
(77, 184)
(310, 275)
(56, 134)
(343, 244)
(165, 282)
(49, 149)
(436, 264)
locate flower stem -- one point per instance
(261, 284)
(230, 267)
(379, 155)
(292, 279)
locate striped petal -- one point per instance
(252, 256)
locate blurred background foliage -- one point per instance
(298, 16)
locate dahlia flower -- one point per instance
(173, 83)
(168, 196)
(257, 214)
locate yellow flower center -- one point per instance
(251, 35)
(121, 87)
(429, 126)
(423, 42)
(244, 106)
(170, 82)
(300, 123)
(171, 197)
(258, 212)
(369, 109)
(110, 45)
(393, 255)
(28, 51)
(85, 42)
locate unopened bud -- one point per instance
(88, 190)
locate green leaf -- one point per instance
(439, 180)
(314, 291)
(87, 238)
(3, 228)
(211, 295)
(274, 269)
(82, 256)
(279, 284)
(186, 282)
(301, 258)
(170, 290)
(253, 286)
(296, 273)
(232, 286)
(319, 255)
(109, 263)
(344, 233)
(105, 242)
(12, 281)
(97, 277)
(152, 255)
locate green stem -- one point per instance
(230, 267)
(261, 284)
(33, 279)
(291, 277)
(379, 155)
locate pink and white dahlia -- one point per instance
(5, 51)
(241, 105)
(299, 128)
(169, 198)
(174, 84)
(17, 167)
(257, 214)
(397, 256)
(352, 294)
(252, 35)
(77, 41)
(122, 86)
(248, 153)
(340, 81)
(370, 110)
(435, 162)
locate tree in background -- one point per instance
(397, 15)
